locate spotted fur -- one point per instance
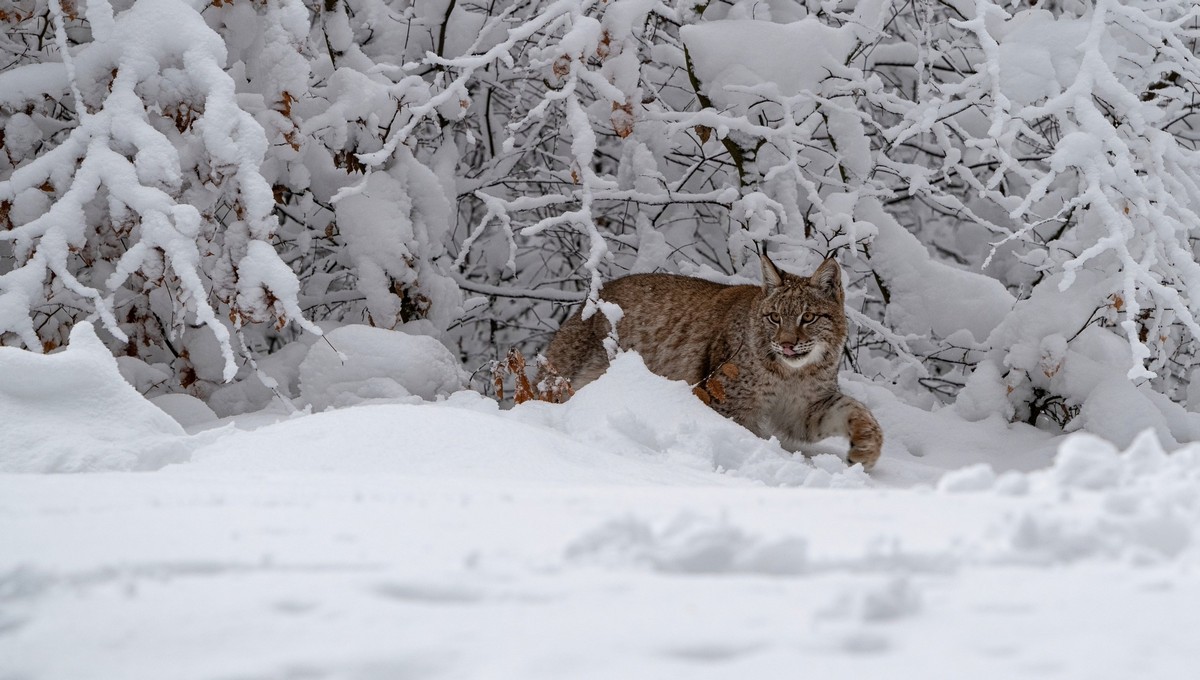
(772, 350)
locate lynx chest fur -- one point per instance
(769, 353)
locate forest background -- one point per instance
(1011, 187)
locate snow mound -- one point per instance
(914, 277)
(630, 426)
(1141, 504)
(354, 364)
(637, 414)
(978, 477)
(1117, 411)
(1095, 504)
(187, 410)
(689, 545)
(73, 412)
(467, 438)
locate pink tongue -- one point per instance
(789, 352)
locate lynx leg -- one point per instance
(866, 437)
(849, 418)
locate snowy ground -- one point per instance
(630, 533)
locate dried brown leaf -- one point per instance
(562, 66)
(604, 48)
(622, 119)
(715, 387)
(498, 379)
(284, 105)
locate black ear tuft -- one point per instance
(828, 277)
(772, 277)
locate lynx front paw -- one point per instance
(867, 455)
(866, 439)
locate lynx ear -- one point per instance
(772, 278)
(828, 277)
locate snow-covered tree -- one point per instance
(1011, 189)
(1066, 133)
(147, 207)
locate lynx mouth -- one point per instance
(798, 356)
(797, 350)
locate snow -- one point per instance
(1012, 194)
(19, 86)
(392, 228)
(978, 305)
(356, 363)
(72, 412)
(187, 410)
(788, 58)
(630, 532)
(1039, 56)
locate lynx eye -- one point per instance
(773, 318)
(808, 317)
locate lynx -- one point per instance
(767, 355)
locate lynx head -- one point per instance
(802, 319)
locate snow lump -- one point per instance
(73, 412)
(354, 364)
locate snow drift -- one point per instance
(73, 412)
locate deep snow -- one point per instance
(628, 533)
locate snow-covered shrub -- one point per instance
(1081, 153)
(649, 137)
(149, 210)
(1012, 191)
(929, 143)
